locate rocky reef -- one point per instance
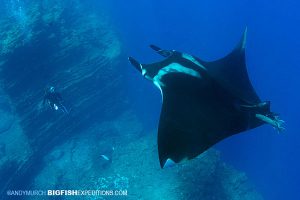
(14, 145)
(133, 166)
(67, 44)
(101, 144)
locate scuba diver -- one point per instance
(54, 100)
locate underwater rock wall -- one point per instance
(75, 48)
(14, 145)
(65, 44)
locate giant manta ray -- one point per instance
(203, 102)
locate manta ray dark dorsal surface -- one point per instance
(203, 102)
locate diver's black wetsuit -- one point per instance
(54, 100)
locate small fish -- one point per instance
(105, 157)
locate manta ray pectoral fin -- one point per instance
(241, 45)
(243, 40)
(231, 72)
(135, 63)
(169, 163)
(164, 53)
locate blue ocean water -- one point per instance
(209, 30)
